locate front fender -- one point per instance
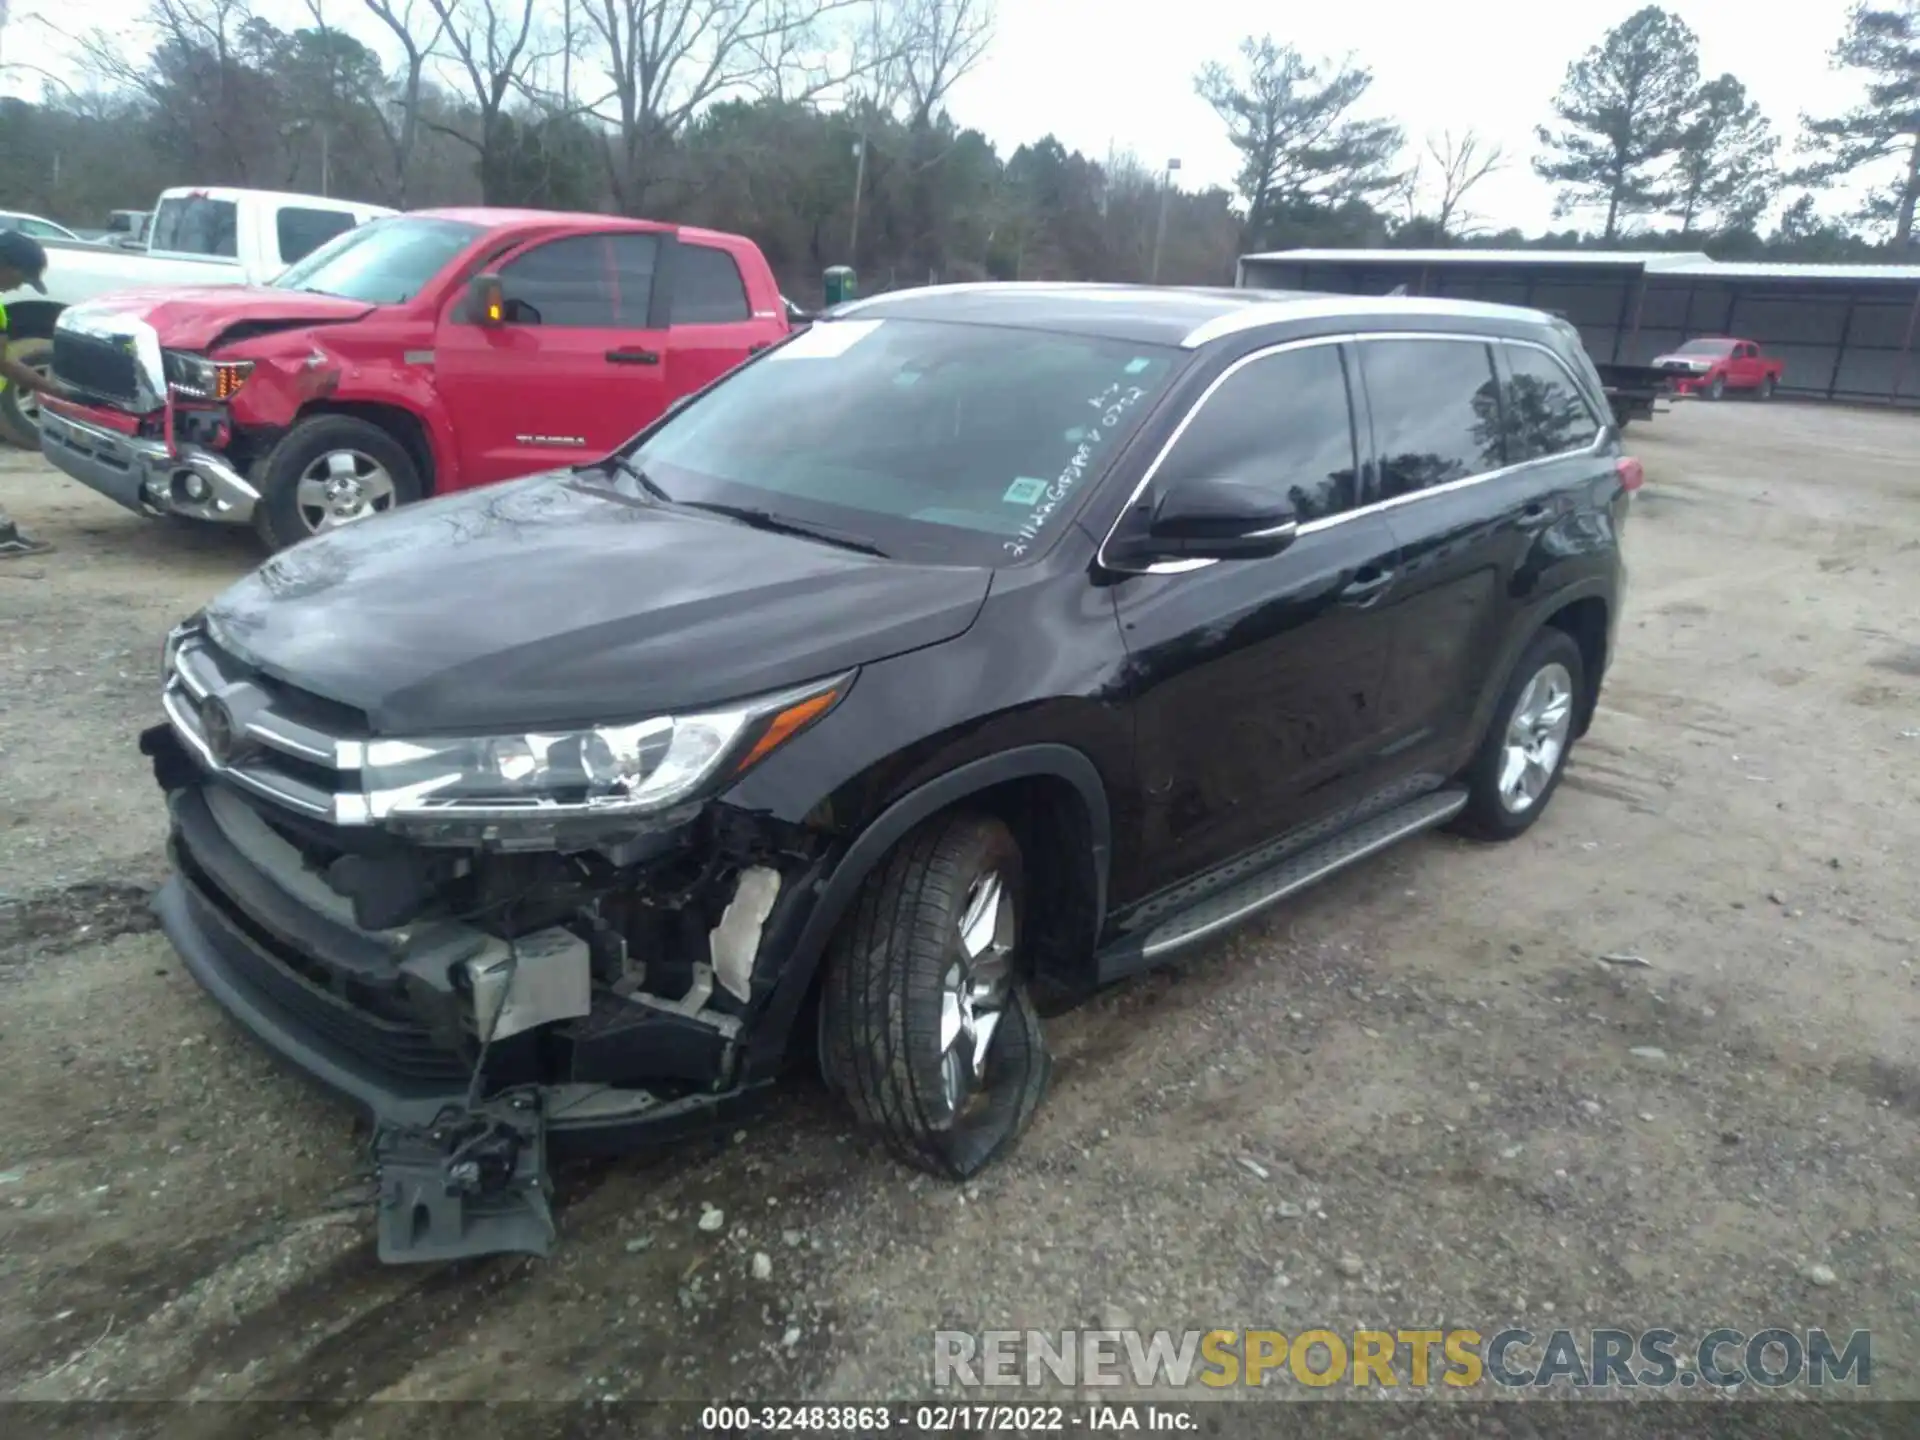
(286, 386)
(802, 941)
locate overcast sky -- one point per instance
(1104, 74)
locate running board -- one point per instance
(1248, 897)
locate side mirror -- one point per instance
(1209, 520)
(487, 300)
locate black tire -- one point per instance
(1718, 389)
(17, 424)
(880, 1015)
(281, 517)
(1489, 815)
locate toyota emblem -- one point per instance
(217, 724)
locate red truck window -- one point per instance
(587, 282)
(707, 289)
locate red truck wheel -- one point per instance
(1767, 387)
(329, 471)
(1718, 389)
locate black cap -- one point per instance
(25, 254)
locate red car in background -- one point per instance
(1713, 365)
(412, 356)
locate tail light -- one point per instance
(1631, 472)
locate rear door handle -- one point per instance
(1367, 586)
(1536, 516)
(633, 357)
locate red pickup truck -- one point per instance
(416, 355)
(1713, 365)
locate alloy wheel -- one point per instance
(974, 990)
(340, 487)
(1536, 738)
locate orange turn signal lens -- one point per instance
(787, 724)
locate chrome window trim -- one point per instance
(1350, 307)
(1181, 567)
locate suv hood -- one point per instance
(192, 318)
(549, 602)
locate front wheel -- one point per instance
(1767, 387)
(926, 1026)
(20, 409)
(329, 471)
(1525, 751)
(1718, 389)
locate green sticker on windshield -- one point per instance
(1137, 364)
(1024, 491)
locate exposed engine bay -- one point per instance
(486, 992)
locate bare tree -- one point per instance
(934, 44)
(418, 37)
(1457, 166)
(668, 60)
(492, 44)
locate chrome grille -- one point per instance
(268, 741)
(97, 365)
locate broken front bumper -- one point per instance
(461, 1173)
(142, 474)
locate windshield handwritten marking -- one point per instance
(1112, 404)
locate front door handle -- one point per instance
(1367, 586)
(633, 357)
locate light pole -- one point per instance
(1160, 230)
(859, 184)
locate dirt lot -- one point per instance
(1426, 1058)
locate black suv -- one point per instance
(971, 649)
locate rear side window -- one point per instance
(195, 225)
(1544, 413)
(1283, 420)
(302, 231)
(707, 289)
(1436, 412)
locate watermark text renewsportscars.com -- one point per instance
(1723, 1358)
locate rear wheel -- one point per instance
(1525, 751)
(20, 409)
(329, 471)
(926, 1025)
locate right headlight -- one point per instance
(593, 772)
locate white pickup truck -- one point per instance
(200, 236)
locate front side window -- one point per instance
(382, 263)
(301, 231)
(582, 282)
(1281, 421)
(1544, 413)
(950, 443)
(1436, 412)
(196, 225)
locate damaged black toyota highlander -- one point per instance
(969, 650)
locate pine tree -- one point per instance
(1885, 126)
(1626, 105)
(1723, 172)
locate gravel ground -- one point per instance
(1455, 1112)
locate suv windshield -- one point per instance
(954, 443)
(383, 262)
(1705, 347)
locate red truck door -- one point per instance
(716, 320)
(1744, 370)
(581, 363)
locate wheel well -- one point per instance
(1049, 820)
(32, 319)
(1586, 621)
(401, 423)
